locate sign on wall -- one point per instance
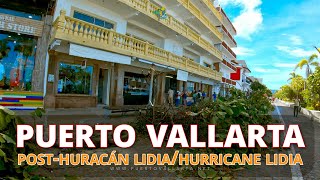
(20, 25)
(182, 75)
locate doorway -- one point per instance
(103, 90)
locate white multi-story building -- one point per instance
(227, 66)
(106, 51)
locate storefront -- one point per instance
(135, 89)
(20, 37)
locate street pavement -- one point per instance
(310, 155)
(311, 134)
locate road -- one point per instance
(310, 155)
(311, 133)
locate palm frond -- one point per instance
(312, 57)
(318, 49)
(315, 63)
(302, 63)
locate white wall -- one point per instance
(91, 8)
(173, 46)
(191, 55)
(156, 40)
(205, 59)
(225, 71)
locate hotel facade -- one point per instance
(130, 52)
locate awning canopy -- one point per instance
(92, 53)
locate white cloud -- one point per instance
(265, 70)
(284, 65)
(243, 51)
(250, 19)
(296, 52)
(295, 40)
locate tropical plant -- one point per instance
(285, 93)
(308, 63)
(298, 85)
(9, 167)
(291, 76)
(25, 46)
(313, 90)
(318, 49)
(234, 109)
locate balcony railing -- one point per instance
(229, 49)
(225, 15)
(213, 9)
(228, 81)
(148, 8)
(228, 34)
(229, 65)
(197, 13)
(87, 34)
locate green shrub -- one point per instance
(235, 109)
(8, 151)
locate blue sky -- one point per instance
(274, 35)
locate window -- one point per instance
(75, 79)
(17, 57)
(190, 86)
(93, 20)
(20, 14)
(135, 89)
(206, 64)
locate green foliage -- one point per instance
(235, 109)
(256, 86)
(285, 93)
(312, 93)
(308, 63)
(298, 84)
(8, 151)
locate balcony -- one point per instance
(227, 19)
(230, 38)
(201, 17)
(146, 7)
(228, 81)
(213, 9)
(229, 50)
(226, 63)
(80, 32)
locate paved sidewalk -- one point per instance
(311, 133)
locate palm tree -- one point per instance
(318, 49)
(292, 75)
(308, 63)
(26, 47)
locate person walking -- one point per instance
(184, 97)
(170, 97)
(214, 96)
(199, 94)
(296, 107)
(204, 95)
(194, 96)
(178, 98)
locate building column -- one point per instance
(160, 94)
(180, 85)
(210, 91)
(151, 85)
(39, 71)
(117, 78)
(185, 86)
